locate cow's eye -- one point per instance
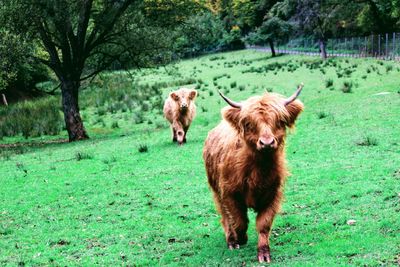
(248, 126)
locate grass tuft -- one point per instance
(143, 148)
(328, 83)
(347, 87)
(367, 141)
(322, 114)
(79, 155)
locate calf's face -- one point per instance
(262, 121)
(183, 98)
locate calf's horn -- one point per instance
(230, 102)
(295, 95)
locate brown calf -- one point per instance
(245, 164)
(180, 110)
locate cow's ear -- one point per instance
(294, 109)
(174, 96)
(192, 94)
(232, 115)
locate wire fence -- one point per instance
(381, 46)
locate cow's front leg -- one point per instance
(234, 221)
(263, 224)
(185, 129)
(174, 139)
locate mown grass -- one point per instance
(129, 196)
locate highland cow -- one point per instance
(180, 110)
(245, 164)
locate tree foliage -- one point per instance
(17, 70)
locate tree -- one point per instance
(317, 18)
(378, 16)
(200, 33)
(83, 38)
(274, 29)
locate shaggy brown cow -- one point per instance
(245, 164)
(180, 110)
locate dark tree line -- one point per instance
(76, 40)
(269, 21)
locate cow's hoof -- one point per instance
(233, 245)
(264, 254)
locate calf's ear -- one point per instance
(192, 94)
(232, 115)
(294, 109)
(174, 96)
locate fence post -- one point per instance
(4, 99)
(379, 45)
(386, 44)
(372, 46)
(394, 45)
(365, 42)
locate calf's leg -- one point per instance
(174, 139)
(185, 129)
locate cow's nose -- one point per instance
(184, 105)
(265, 142)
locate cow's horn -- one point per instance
(295, 95)
(230, 102)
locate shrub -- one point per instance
(389, 68)
(138, 117)
(368, 141)
(82, 155)
(115, 125)
(241, 87)
(233, 84)
(322, 114)
(109, 160)
(31, 119)
(347, 86)
(120, 93)
(328, 83)
(143, 148)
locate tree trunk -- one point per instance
(72, 117)
(322, 48)
(271, 45)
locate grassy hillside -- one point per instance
(103, 202)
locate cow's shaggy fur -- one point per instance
(245, 164)
(180, 110)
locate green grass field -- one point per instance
(102, 202)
